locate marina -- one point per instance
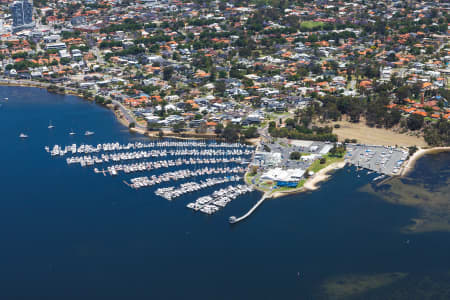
(207, 160)
(116, 146)
(154, 165)
(125, 156)
(219, 199)
(231, 160)
(140, 182)
(170, 193)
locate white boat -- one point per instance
(6, 98)
(379, 177)
(50, 126)
(23, 136)
(89, 133)
(71, 132)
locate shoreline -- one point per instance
(120, 119)
(311, 183)
(42, 85)
(124, 122)
(411, 162)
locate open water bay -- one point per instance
(68, 233)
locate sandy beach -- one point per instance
(279, 194)
(312, 183)
(409, 165)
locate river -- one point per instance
(68, 233)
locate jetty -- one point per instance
(219, 199)
(234, 220)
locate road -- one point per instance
(127, 114)
(99, 55)
(24, 82)
(264, 132)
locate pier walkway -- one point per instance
(233, 219)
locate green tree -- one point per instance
(295, 155)
(403, 92)
(412, 150)
(220, 87)
(178, 127)
(99, 99)
(251, 132)
(231, 132)
(338, 151)
(64, 60)
(167, 73)
(415, 122)
(219, 128)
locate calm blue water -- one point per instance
(68, 233)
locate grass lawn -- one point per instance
(283, 188)
(317, 166)
(274, 115)
(248, 178)
(311, 24)
(266, 186)
(301, 183)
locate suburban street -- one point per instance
(127, 114)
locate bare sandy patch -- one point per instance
(375, 136)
